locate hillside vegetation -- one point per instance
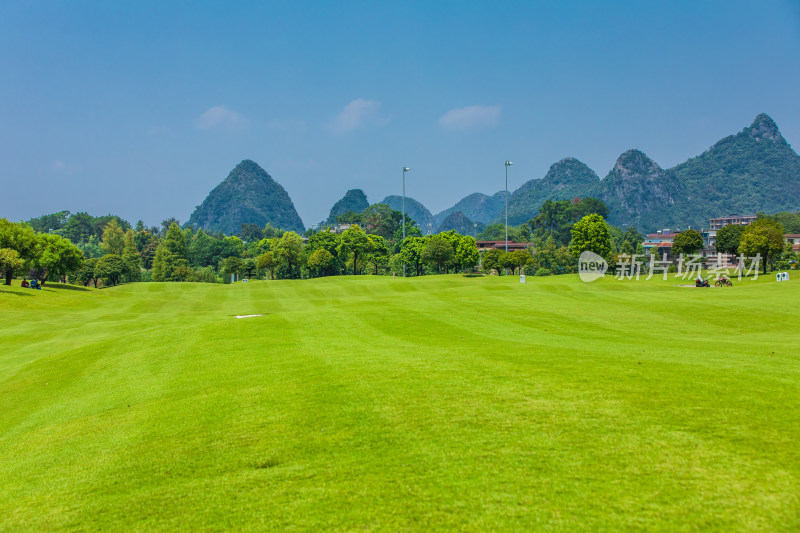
(247, 196)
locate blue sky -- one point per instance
(141, 108)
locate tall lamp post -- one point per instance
(508, 164)
(405, 169)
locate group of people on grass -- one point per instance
(32, 285)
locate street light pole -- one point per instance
(508, 164)
(405, 169)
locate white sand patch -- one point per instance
(246, 316)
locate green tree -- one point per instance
(9, 260)
(146, 244)
(49, 223)
(411, 253)
(175, 241)
(517, 259)
(266, 261)
(131, 257)
(251, 233)
(378, 255)
(497, 232)
(380, 219)
(591, 233)
(78, 228)
(790, 221)
(271, 232)
(411, 231)
(507, 262)
(110, 267)
(170, 259)
(86, 274)
(325, 240)
(349, 217)
(353, 241)
(466, 252)
(288, 255)
(113, 241)
(204, 250)
(551, 258)
(763, 237)
(99, 224)
(55, 256)
(319, 261)
(231, 265)
(728, 238)
(687, 242)
(19, 237)
(231, 246)
(438, 251)
(588, 206)
(553, 220)
(491, 260)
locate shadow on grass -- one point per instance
(15, 293)
(473, 275)
(66, 286)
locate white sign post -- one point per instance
(522, 278)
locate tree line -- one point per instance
(91, 250)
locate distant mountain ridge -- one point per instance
(247, 196)
(353, 200)
(637, 185)
(476, 207)
(414, 209)
(458, 222)
(751, 171)
(565, 180)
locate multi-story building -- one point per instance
(501, 245)
(793, 238)
(721, 222)
(715, 224)
(659, 242)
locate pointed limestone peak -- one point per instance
(354, 200)
(764, 128)
(247, 196)
(247, 165)
(636, 161)
(570, 171)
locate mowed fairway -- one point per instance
(443, 403)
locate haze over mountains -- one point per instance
(751, 171)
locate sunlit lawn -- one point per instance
(444, 403)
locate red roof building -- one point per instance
(501, 245)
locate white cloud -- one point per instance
(474, 116)
(357, 114)
(222, 118)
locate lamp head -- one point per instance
(406, 169)
(509, 163)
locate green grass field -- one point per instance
(437, 403)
